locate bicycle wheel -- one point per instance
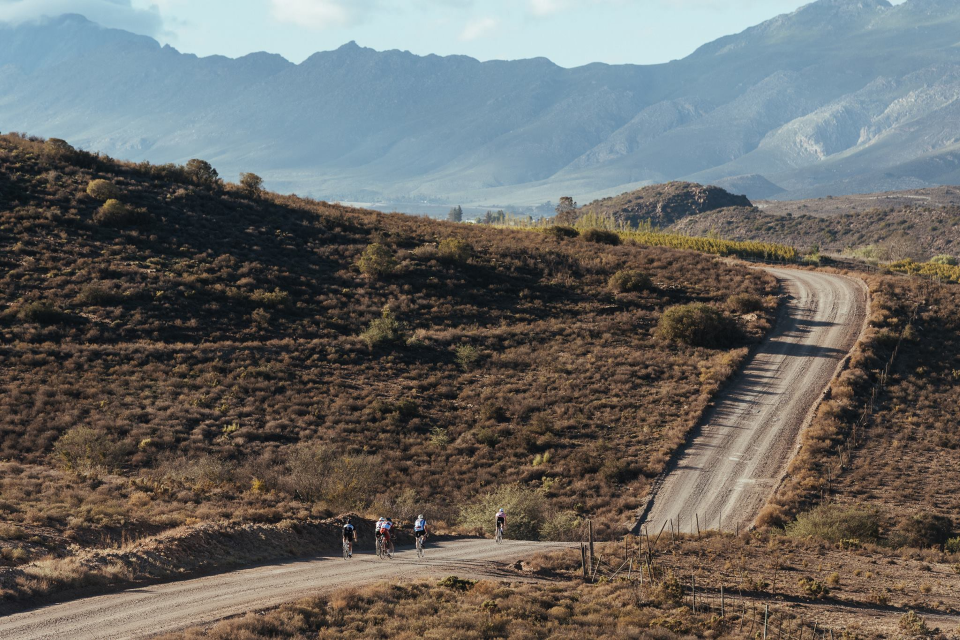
(420, 547)
(379, 551)
(499, 535)
(346, 550)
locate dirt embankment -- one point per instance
(173, 555)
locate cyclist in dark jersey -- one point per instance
(349, 534)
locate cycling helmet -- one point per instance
(420, 517)
(349, 520)
(389, 519)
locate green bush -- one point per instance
(835, 523)
(629, 280)
(698, 325)
(524, 508)
(744, 303)
(377, 261)
(813, 588)
(601, 236)
(384, 330)
(953, 545)
(950, 261)
(455, 250)
(41, 313)
(114, 213)
(467, 356)
(103, 190)
(561, 232)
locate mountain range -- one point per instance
(838, 97)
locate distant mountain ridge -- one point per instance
(840, 96)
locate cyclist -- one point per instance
(501, 519)
(385, 531)
(349, 534)
(420, 527)
(377, 528)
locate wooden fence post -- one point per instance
(583, 560)
(590, 527)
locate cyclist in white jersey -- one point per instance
(420, 527)
(501, 519)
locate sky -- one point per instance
(569, 32)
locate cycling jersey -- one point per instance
(348, 530)
(420, 525)
(386, 526)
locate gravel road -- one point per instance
(740, 452)
(149, 611)
(730, 468)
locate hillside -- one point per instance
(659, 205)
(916, 232)
(213, 353)
(838, 97)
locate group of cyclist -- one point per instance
(384, 530)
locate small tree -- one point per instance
(948, 260)
(252, 184)
(455, 214)
(377, 261)
(202, 172)
(566, 210)
(103, 190)
(57, 148)
(114, 213)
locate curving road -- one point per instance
(741, 450)
(729, 470)
(154, 610)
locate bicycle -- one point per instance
(383, 549)
(346, 549)
(420, 546)
(499, 534)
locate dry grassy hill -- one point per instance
(197, 351)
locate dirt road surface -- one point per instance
(741, 450)
(150, 611)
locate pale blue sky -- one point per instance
(569, 32)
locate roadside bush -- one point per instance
(561, 232)
(524, 508)
(698, 325)
(88, 451)
(455, 250)
(953, 545)
(836, 523)
(601, 236)
(629, 280)
(949, 261)
(913, 625)
(744, 303)
(103, 190)
(318, 473)
(114, 213)
(384, 330)
(377, 261)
